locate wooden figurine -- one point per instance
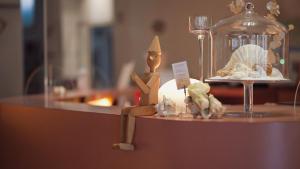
(148, 83)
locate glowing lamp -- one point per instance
(170, 91)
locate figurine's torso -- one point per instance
(152, 97)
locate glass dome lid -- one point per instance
(249, 21)
(248, 46)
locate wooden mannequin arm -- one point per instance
(153, 80)
(145, 89)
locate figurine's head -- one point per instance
(154, 55)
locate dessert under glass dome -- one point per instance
(249, 48)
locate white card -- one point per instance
(181, 74)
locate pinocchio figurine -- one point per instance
(148, 83)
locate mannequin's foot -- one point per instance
(123, 146)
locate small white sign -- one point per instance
(181, 74)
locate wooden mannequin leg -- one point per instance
(137, 111)
(128, 125)
(143, 111)
(130, 128)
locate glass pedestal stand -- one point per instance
(248, 97)
(248, 103)
(201, 38)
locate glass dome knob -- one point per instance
(249, 7)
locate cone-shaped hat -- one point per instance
(155, 45)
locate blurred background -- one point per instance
(91, 45)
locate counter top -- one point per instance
(288, 113)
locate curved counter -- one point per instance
(35, 134)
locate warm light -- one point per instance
(169, 90)
(106, 102)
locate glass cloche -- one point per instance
(249, 48)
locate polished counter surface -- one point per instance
(35, 134)
(38, 101)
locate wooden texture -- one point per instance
(152, 81)
(140, 83)
(149, 84)
(55, 135)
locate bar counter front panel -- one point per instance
(55, 135)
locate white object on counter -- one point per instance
(170, 91)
